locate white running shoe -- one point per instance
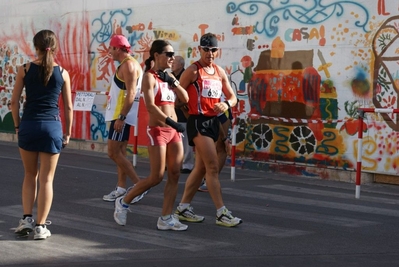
(120, 213)
(113, 195)
(25, 226)
(41, 232)
(188, 215)
(139, 197)
(227, 219)
(172, 223)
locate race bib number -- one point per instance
(211, 88)
(167, 95)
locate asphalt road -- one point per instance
(287, 221)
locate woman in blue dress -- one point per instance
(40, 134)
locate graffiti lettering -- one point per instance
(381, 8)
(203, 28)
(292, 35)
(161, 34)
(138, 27)
(192, 52)
(243, 30)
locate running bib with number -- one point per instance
(211, 88)
(167, 95)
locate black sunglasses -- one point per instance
(169, 54)
(212, 49)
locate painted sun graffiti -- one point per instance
(308, 13)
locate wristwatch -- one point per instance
(121, 117)
(176, 83)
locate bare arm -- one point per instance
(130, 74)
(68, 107)
(16, 95)
(188, 76)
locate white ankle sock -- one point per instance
(120, 190)
(220, 211)
(183, 206)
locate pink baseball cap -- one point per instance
(120, 41)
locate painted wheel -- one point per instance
(302, 140)
(262, 136)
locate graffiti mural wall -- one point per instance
(300, 68)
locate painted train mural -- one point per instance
(288, 102)
(300, 69)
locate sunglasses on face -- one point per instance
(169, 54)
(207, 49)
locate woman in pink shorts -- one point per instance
(165, 147)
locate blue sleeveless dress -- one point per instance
(40, 128)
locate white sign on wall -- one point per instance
(84, 101)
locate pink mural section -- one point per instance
(73, 39)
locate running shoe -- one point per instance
(25, 226)
(172, 223)
(139, 197)
(203, 187)
(113, 195)
(188, 215)
(120, 213)
(41, 232)
(227, 219)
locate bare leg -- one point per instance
(194, 180)
(117, 152)
(29, 186)
(205, 156)
(48, 165)
(157, 156)
(221, 144)
(174, 159)
(121, 175)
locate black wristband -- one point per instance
(228, 103)
(171, 122)
(178, 127)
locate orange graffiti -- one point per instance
(145, 45)
(104, 62)
(370, 147)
